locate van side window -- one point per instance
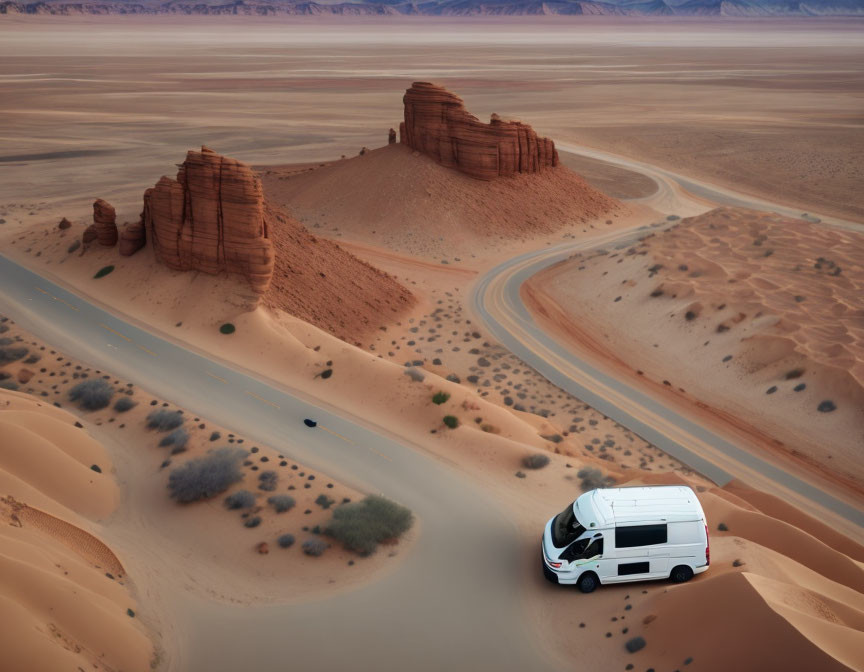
(582, 549)
(640, 535)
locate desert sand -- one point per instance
(769, 107)
(777, 574)
(754, 315)
(66, 599)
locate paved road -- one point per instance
(454, 604)
(497, 302)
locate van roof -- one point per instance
(607, 507)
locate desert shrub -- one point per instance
(163, 420)
(826, 406)
(8, 385)
(536, 461)
(242, 499)
(361, 526)
(592, 478)
(227, 328)
(281, 503)
(451, 421)
(416, 375)
(102, 272)
(74, 246)
(124, 404)
(285, 541)
(440, 398)
(177, 439)
(324, 501)
(215, 436)
(11, 354)
(92, 395)
(315, 547)
(635, 644)
(206, 476)
(267, 480)
(722, 527)
(254, 521)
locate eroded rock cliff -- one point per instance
(210, 219)
(438, 125)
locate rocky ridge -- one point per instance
(438, 125)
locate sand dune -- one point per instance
(757, 316)
(64, 603)
(405, 201)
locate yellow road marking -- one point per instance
(39, 289)
(147, 350)
(115, 332)
(213, 375)
(330, 431)
(66, 303)
(252, 394)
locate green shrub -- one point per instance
(361, 526)
(163, 420)
(8, 385)
(440, 398)
(324, 501)
(536, 461)
(8, 355)
(635, 644)
(124, 404)
(254, 521)
(281, 503)
(285, 541)
(242, 499)
(451, 421)
(267, 480)
(74, 246)
(206, 476)
(592, 478)
(92, 395)
(177, 439)
(227, 328)
(315, 547)
(102, 272)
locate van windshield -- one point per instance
(566, 527)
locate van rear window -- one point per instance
(640, 535)
(565, 528)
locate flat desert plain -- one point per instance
(100, 106)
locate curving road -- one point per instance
(497, 303)
(454, 603)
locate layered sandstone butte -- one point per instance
(211, 219)
(104, 226)
(132, 239)
(438, 125)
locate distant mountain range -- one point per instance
(705, 8)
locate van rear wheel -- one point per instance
(681, 574)
(588, 582)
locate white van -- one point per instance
(612, 535)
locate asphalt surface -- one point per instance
(454, 603)
(497, 302)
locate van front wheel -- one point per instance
(588, 582)
(681, 574)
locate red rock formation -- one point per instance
(64, 224)
(132, 239)
(437, 124)
(391, 137)
(104, 221)
(211, 219)
(89, 234)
